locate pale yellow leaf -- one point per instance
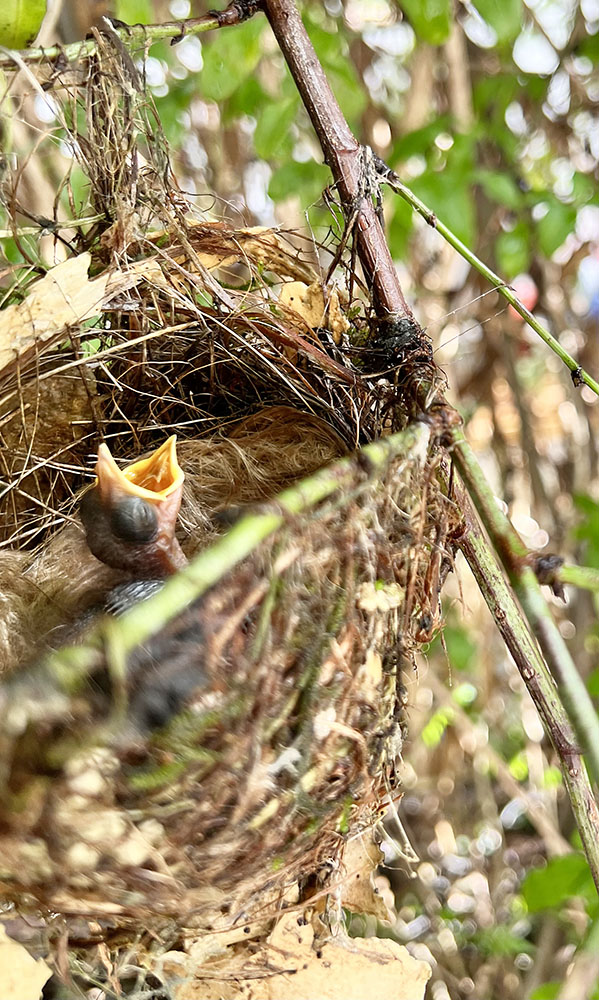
(21, 976)
(64, 297)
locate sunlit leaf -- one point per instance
(562, 878)
(430, 19)
(513, 250)
(229, 59)
(135, 11)
(432, 732)
(504, 16)
(465, 694)
(20, 21)
(547, 991)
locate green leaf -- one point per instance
(347, 89)
(513, 250)
(400, 227)
(20, 21)
(564, 877)
(548, 991)
(465, 694)
(461, 649)
(272, 129)
(430, 19)
(172, 106)
(500, 187)
(229, 59)
(587, 530)
(432, 733)
(501, 941)
(593, 683)
(420, 141)
(333, 51)
(250, 98)
(519, 766)
(583, 189)
(504, 16)
(447, 194)
(135, 11)
(553, 228)
(306, 180)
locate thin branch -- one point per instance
(136, 35)
(579, 375)
(540, 684)
(584, 577)
(516, 560)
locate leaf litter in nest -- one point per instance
(292, 726)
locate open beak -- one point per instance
(155, 478)
(130, 514)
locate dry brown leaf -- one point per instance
(361, 856)
(216, 245)
(308, 301)
(64, 297)
(21, 977)
(341, 968)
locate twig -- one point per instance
(515, 557)
(540, 684)
(584, 577)
(342, 152)
(137, 35)
(579, 375)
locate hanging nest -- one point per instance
(315, 572)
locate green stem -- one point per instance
(120, 636)
(540, 684)
(584, 577)
(579, 375)
(134, 35)
(515, 558)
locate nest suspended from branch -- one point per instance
(286, 638)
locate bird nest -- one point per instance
(201, 762)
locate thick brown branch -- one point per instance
(342, 152)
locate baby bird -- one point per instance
(126, 543)
(129, 515)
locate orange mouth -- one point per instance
(153, 478)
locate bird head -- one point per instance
(129, 515)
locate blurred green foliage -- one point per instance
(563, 878)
